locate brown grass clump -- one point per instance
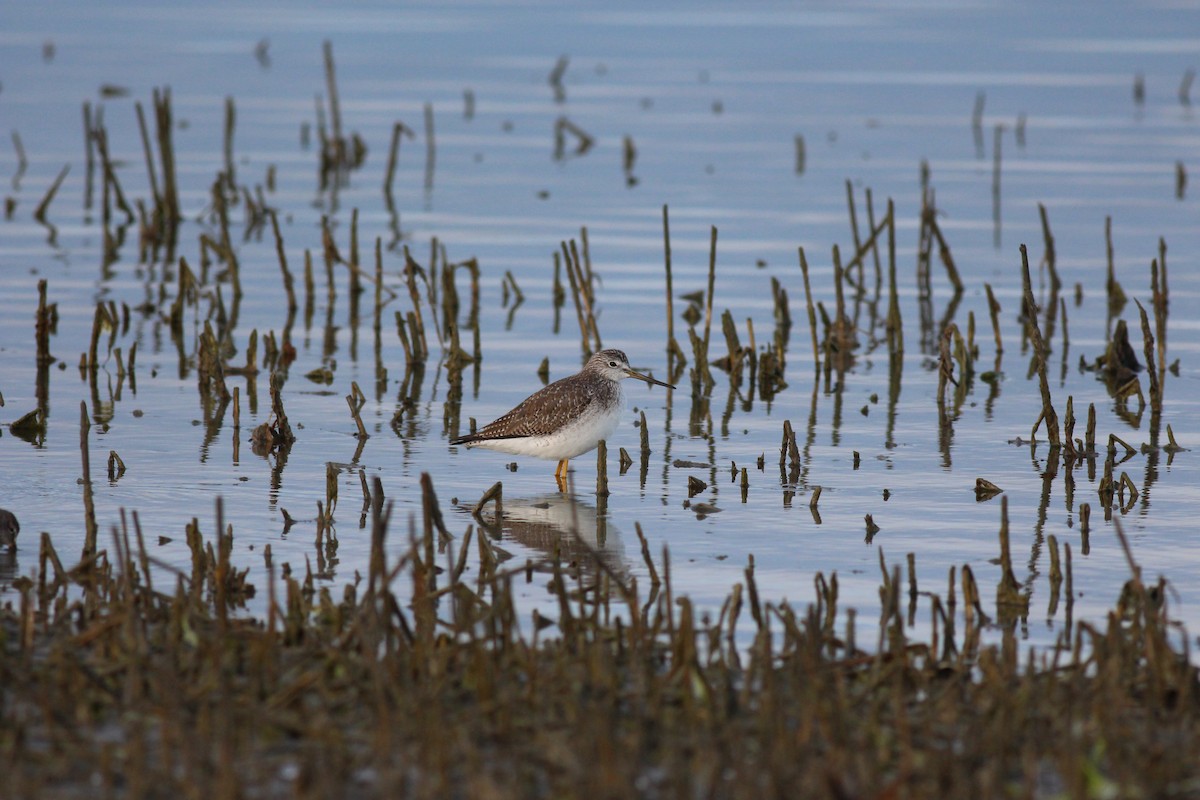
(111, 685)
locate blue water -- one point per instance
(713, 99)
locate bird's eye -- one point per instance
(612, 363)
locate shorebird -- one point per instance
(565, 419)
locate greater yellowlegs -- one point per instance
(565, 419)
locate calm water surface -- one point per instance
(713, 100)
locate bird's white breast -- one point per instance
(575, 438)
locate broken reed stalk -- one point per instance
(310, 287)
(874, 240)
(556, 76)
(510, 282)
(164, 131)
(429, 278)
(1116, 295)
(712, 278)
(871, 245)
(812, 314)
(977, 122)
(185, 293)
(410, 353)
(378, 284)
(1066, 334)
(840, 319)
(148, 154)
(1008, 591)
(1071, 452)
(22, 161)
(356, 400)
(840, 336)
(628, 159)
(89, 157)
(449, 291)
(558, 294)
(335, 109)
(994, 312)
(420, 343)
(895, 327)
(430, 148)
(89, 507)
(602, 469)
(751, 351)
(734, 346)
(331, 491)
(925, 236)
(945, 366)
(354, 264)
(944, 250)
(1089, 442)
(1159, 304)
(494, 495)
(1185, 87)
(230, 124)
(1162, 264)
(1049, 257)
(587, 280)
(997, 138)
(583, 140)
(854, 232)
(655, 581)
(116, 467)
(288, 282)
(101, 320)
(277, 432)
(225, 249)
(584, 333)
(1151, 370)
(110, 176)
(330, 257)
(589, 276)
(399, 130)
(40, 213)
(472, 265)
(589, 331)
(210, 367)
(789, 449)
(674, 351)
(1040, 350)
(44, 322)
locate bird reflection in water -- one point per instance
(559, 523)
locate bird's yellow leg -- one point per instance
(561, 472)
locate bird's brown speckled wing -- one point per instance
(546, 410)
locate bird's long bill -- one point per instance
(647, 379)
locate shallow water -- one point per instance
(713, 101)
